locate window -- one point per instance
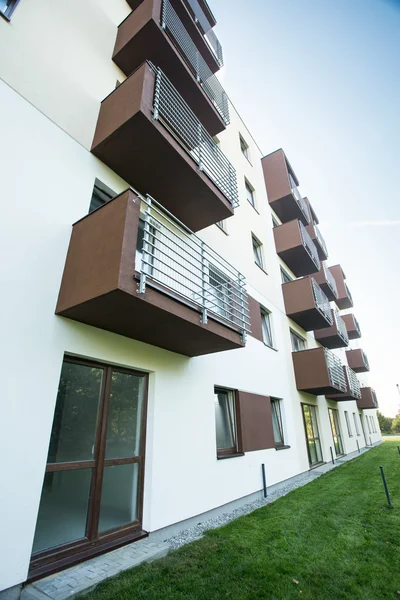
(298, 343)
(356, 423)
(285, 277)
(225, 422)
(275, 222)
(266, 327)
(257, 252)
(335, 426)
(7, 8)
(277, 421)
(244, 147)
(222, 225)
(250, 193)
(373, 425)
(312, 434)
(346, 416)
(100, 195)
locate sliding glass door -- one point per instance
(336, 432)
(93, 484)
(312, 434)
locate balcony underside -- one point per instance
(309, 319)
(344, 302)
(298, 260)
(327, 290)
(311, 372)
(143, 40)
(287, 209)
(100, 287)
(156, 319)
(346, 396)
(143, 152)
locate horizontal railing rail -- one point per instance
(174, 27)
(374, 398)
(330, 280)
(354, 384)
(322, 301)
(335, 370)
(320, 239)
(309, 245)
(299, 198)
(172, 111)
(181, 262)
(202, 21)
(341, 326)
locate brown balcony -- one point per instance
(352, 391)
(344, 299)
(307, 304)
(318, 240)
(326, 281)
(154, 32)
(133, 270)
(199, 23)
(368, 398)
(318, 371)
(357, 360)
(149, 136)
(295, 247)
(281, 184)
(334, 336)
(352, 326)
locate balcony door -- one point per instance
(312, 434)
(93, 485)
(336, 432)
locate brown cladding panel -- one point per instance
(356, 360)
(256, 422)
(311, 371)
(255, 319)
(343, 300)
(276, 176)
(368, 398)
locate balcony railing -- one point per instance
(309, 245)
(209, 35)
(215, 46)
(354, 384)
(173, 112)
(181, 262)
(374, 398)
(330, 279)
(320, 239)
(298, 197)
(341, 326)
(365, 359)
(322, 301)
(174, 27)
(335, 370)
(348, 292)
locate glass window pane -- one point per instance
(63, 508)
(276, 422)
(266, 328)
(225, 420)
(75, 417)
(119, 496)
(124, 415)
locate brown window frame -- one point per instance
(53, 559)
(235, 450)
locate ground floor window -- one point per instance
(356, 423)
(95, 464)
(225, 421)
(346, 416)
(336, 433)
(312, 434)
(277, 421)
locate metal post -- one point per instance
(386, 488)
(199, 131)
(163, 15)
(204, 317)
(358, 447)
(157, 90)
(264, 480)
(333, 460)
(398, 449)
(146, 247)
(241, 292)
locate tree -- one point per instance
(385, 423)
(396, 423)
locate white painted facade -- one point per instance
(57, 71)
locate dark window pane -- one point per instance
(124, 415)
(100, 195)
(225, 419)
(75, 417)
(119, 496)
(63, 508)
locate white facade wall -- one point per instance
(46, 185)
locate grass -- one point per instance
(332, 539)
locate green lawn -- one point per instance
(335, 537)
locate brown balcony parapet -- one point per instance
(295, 247)
(149, 136)
(318, 371)
(357, 360)
(149, 279)
(326, 281)
(344, 299)
(335, 336)
(307, 304)
(368, 398)
(352, 391)
(282, 188)
(352, 326)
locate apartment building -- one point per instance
(171, 320)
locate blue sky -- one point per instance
(321, 79)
